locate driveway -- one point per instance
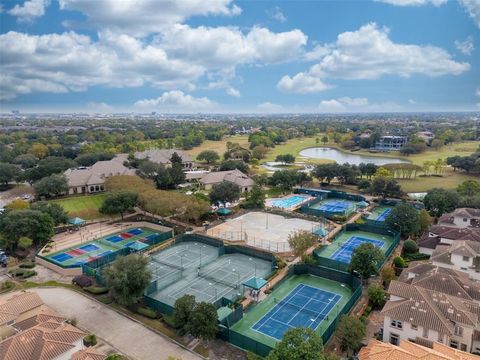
(129, 337)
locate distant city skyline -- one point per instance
(225, 56)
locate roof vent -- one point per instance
(450, 310)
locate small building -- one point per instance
(445, 235)
(234, 176)
(462, 218)
(91, 179)
(163, 156)
(390, 143)
(426, 136)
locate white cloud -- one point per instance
(268, 107)
(369, 53)
(466, 47)
(473, 9)
(227, 46)
(99, 107)
(72, 62)
(348, 104)
(233, 92)
(30, 10)
(148, 16)
(176, 100)
(301, 83)
(477, 92)
(413, 2)
(277, 14)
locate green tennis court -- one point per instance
(380, 213)
(343, 239)
(249, 325)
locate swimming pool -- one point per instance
(287, 202)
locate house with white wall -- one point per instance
(462, 256)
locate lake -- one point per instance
(342, 157)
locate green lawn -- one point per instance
(85, 206)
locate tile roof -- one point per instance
(466, 213)
(455, 233)
(233, 176)
(18, 304)
(377, 350)
(90, 353)
(45, 341)
(442, 253)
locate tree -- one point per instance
(176, 173)
(52, 185)
(300, 241)
(440, 201)
(17, 204)
(203, 321)
(385, 187)
(25, 242)
(388, 274)
(403, 218)
(285, 179)
(324, 139)
(8, 172)
(209, 156)
(31, 223)
(366, 259)
(469, 188)
(382, 172)
(298, 344)
(224, 192)
(424, 221)
(127, 278)
(350, 333)
(119, 203)
(39, 150)
(183, 309)
(56, 211)
(26, 161)
(147, 169)
(376, 295)
(286, 158)
(163, 180)
(234, 164)
(255, 198)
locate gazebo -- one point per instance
(224, 211)
(77, 221)
(362, 204)
(255, 283)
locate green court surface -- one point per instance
(329, 250)
(91, 250)
(379, 212)
(257, 312)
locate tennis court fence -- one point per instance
(259, 348)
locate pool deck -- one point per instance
(274, 202)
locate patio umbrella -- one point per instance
(76, 221)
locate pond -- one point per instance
(342, 157)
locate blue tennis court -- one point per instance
(62, 257)
(383, 215)
(335, 206)
(135, 231)
(305, 306)
(89, 247)
(344, 253)
(114, 238)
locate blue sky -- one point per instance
(239, 56)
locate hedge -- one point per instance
(96, 290)
(27, 265)
(152, 314)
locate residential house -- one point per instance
(445, 235)
(32, 331)
(426, 136)
(234, 176)
(429, 304)
(390, 143)
(91, 179)
(163, 156)
(462, 218)
(406, 350)
(461, 256)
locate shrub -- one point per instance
(168, 319)
(416, 257)
(105, 299)
(339, 218)
(90, 340)
(96, 290)
(399, 262)
(27, 265)
(152, 314)
(7, 285)
(410, 247)
(28, 273)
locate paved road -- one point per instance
(129, 337)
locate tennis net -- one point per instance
(162, 262)
(224, 281)
(314, 314)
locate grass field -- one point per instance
(219, 146)
(85, 206)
